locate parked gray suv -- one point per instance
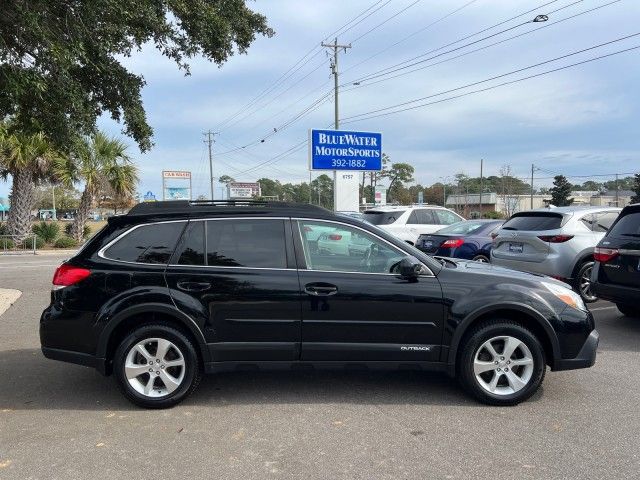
(558, 242)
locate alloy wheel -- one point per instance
(585, 284)
(503, 365)
(154, 367)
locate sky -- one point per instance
(579, 121)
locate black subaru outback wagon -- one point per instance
(175, 289)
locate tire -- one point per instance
(628, 310)
(583, 282)
(174, 375)
(481, 258)
(514, 385)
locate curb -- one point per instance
(7, 298)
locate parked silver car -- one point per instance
(558, 242)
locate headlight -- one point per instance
(567, 295)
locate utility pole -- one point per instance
(481, 162)
(334, 70)
(532, 169)
(209, 140)
(617, 199)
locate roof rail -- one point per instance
(168, 206)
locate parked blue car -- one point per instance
(470, 240)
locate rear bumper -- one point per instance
(78, 358)
(552, 265)
(616, 293)
(586, 356)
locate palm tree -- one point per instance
(102, 164)
(27, 158)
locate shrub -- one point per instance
(492, 215)
(86, 231)
(6, 244)
(27, 243)
(65, 242)
(47, 231)
(3, 229)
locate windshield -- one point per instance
(464, 228)
(382, 218)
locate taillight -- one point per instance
(555, 238)
(452, 243)
(68, 275)
(601, 254)
(333, 236)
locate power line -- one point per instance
(368, 115)
(453, 12)
(381, 80)
(409, 60)
(372, 29)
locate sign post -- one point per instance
(345, 153)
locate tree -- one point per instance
(66, 197)
(636, 189)
(27, 158)
(61, 62)
(398, 174)
(102, 163)
(560, 191)
(322, 191)
(226, 180)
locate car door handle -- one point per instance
(320, 289)
(188, 286)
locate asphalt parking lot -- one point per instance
(64, 421)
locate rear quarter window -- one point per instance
(151, 244)
(534, 222)
(382, 218)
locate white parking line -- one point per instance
(600, 308)
(9, 266)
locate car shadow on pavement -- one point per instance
(28, 381)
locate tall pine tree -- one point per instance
(560, 192)
(636, 189)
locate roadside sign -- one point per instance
(380, 195)
(243, 189)
(420, 198)
(149, 197)
(345, 150)
(176, 174)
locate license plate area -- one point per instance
(515, 247)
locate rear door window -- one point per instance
(534, 221)
(446, 217)
(152, 243)
(191, 249)
(426, 217)
(254, 243)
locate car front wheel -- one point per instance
(502, 363)
(156, 366)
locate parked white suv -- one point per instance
(409, 222)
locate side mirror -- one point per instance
(410, 268)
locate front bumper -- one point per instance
(586, 356)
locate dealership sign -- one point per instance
(243, 189)
(345, 150)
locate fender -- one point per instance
(468, 320)
(582, 256)
(185, 320)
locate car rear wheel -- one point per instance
(156, 366)
(481, 259)
(502, 363)
(583, 282)
(628, 310)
